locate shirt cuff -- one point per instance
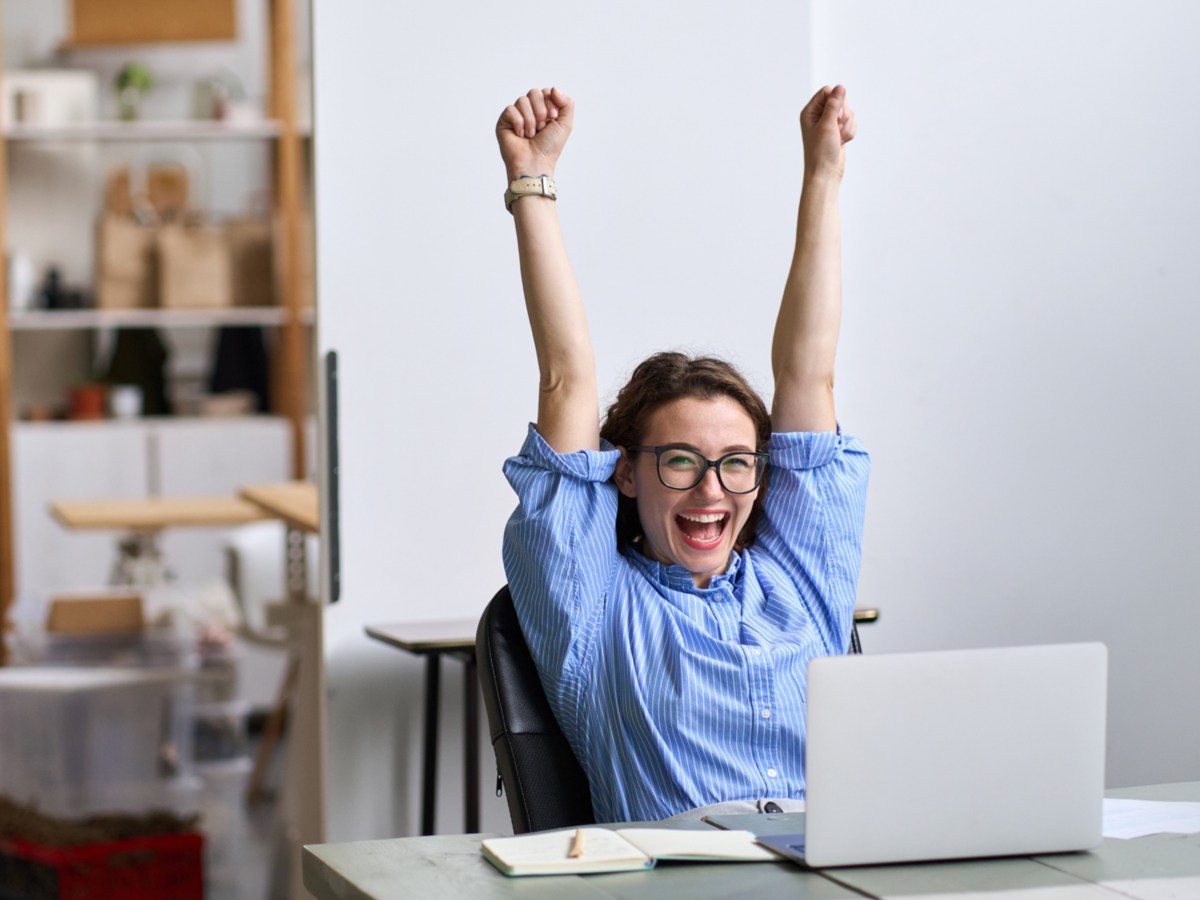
(586, 465)
(807, 450)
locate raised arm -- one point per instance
(532, 133)
(806, 332)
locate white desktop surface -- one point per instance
(1156, 867)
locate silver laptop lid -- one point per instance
(955, 754)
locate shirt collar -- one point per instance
(678, 578)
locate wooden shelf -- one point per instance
(146, 130)
(157, 422)
(71, 319)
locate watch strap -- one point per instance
(527, 185)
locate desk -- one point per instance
(296, 502)
(139, 559)
(457, 639)
(1149, 868)
(432, 640)
(156, 513)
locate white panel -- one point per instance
(219, 456)
(68, 461)
(678, 195)
(1020, 347)
(207, 456)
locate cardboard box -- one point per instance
(101, 22)
(101, 614)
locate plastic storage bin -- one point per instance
(219, 731)
(78, 740)
(151, 647)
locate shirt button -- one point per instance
(756, 651)
(771, 773)
(766, 714)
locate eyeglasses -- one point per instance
(681, 468)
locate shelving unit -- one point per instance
(288, 320)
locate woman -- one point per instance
(670, 600)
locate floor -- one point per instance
(240, 839)
(243, 850)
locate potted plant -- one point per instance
(133, 82)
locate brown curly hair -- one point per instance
(659, 380)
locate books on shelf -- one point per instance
(617, 850)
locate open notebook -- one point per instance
(620, 850)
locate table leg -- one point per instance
(139, 561)
(470, 744)
(429, 786)
(296, 565)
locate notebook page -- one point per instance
(530, 851)
(678, 843)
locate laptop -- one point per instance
(949, 755)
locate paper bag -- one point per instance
(126, 263)
(96, 614)
(193, 267)
(251, 260)
(162, 191)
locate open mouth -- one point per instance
(702, 531)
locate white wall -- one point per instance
(1019, 222)
(420, 293)
(1020, 352)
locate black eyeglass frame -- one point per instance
(761, 456)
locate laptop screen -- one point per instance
(952, 754)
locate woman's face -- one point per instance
(695, 528)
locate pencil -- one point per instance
(576, 850)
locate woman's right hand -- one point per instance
(533, 131)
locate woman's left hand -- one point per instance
(826, 125)
(533, 130)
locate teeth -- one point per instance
(702, 517)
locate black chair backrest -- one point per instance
(543, 781)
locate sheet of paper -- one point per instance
(1126, 819)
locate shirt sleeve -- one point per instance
(560, 553)
(812, 524)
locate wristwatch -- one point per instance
(530, 184)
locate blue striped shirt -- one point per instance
(674, 696)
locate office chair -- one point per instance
(542, 780)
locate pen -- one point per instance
(576, 850)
